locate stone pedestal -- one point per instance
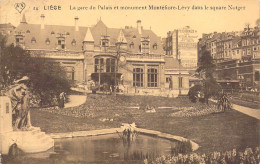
(31, 141)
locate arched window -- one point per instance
(28, 31)
(138, 77)
(73, 42)
(152, 77)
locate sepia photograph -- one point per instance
(129, 82)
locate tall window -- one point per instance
(180, 82)
(70, 72)
(152, 77)
(257, 78)
(138, 77)
(168, 79)
(99, 63)
(110, 65)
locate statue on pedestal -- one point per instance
(18, 93)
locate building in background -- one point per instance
(182, 45)
(236, 55)
(6, 29)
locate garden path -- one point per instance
(75, 100)
(246, 110)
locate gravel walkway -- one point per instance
(75, 100)
(248, 111)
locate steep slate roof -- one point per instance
(171, 63)
(34, 30)
(41, 35)
(8, 25)
(88, 37)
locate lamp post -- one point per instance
(241, 80)
(99, 73)
(118, 54)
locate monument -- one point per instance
(15, 124)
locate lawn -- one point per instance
(213, 132)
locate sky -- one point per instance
(204, 20)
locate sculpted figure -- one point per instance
(18, 93)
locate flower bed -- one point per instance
(229, 157)
(197, 110)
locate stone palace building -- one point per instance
(131, 57)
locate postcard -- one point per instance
(129, 81)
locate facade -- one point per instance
(176, 74)
(132, 58)
(236, 56)
(182, 44)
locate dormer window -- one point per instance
(47, 41)
(28, 31)
(104, 42)
(61, 43)
(73, 43)
(145, 41)
(131, 45)
(19, 40)
(33, 41)
(155, 46)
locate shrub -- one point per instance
(47, 80)
(181, 148)
(193, 93)
(231, 157)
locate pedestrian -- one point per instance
(61, 100)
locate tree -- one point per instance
(193, 93)
(258, 22)
(206, 69)
(47, 80)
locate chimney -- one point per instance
(139, 26)
(42, 21)
(76, 24)
(23, 20)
